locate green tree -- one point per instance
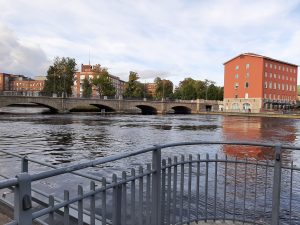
(102, 82)
(60, 77)
(164, 88)
(87, 88)
(134, 88)
(187, 89)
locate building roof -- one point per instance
(259, 56)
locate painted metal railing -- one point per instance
(169, 191)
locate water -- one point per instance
(70, 138)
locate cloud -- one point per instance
(181, 38)
(19, 57)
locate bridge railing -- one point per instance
(168, 191)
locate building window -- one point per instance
(247, 75)
(265, 95)
(275, 67)
(279, 67)
(237, 67)
(247, 66)
(282, 77)
(246, 85)
(274, 85)
(287, 87)
(266, 84)
(270, 65)
(283, 87)
(266, 74)
(274, 75)
(270, 75)
(278, 76)
(266, 64)
(278, 86)
(235, 96)
(246, 106)
(236, 76)
(236, 85)
(270, 85)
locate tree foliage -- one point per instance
(189, 89)
(102, 82)
(87, 88)
(164, 88)
(134, 88)
(60, 77)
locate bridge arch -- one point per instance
(82, 106)
(147, 110)
(32, 103)
(181, 110)
(104, 107)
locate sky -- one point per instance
(172, 39)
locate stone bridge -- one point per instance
(64, 105)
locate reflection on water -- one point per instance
(78, 137)
(258, 129)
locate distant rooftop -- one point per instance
(259, 56)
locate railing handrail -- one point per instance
(92, 163)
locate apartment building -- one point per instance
(87, 71)
(256, 83)
(21, 85)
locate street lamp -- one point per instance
(64, 95)
(163, 94)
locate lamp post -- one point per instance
(64, 95)
(163, 94)
(54, 86)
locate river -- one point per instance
(68, 138)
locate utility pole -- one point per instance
(163, 95)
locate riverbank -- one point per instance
(265, 114)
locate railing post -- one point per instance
(117, 197)
(24, 165)
(156, 187)
(22, 199)
(276, 186)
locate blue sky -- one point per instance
(172, 39)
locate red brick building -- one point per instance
(21, 85)
(150, 89)
(256, 83)
(87, 71)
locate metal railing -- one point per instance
(168, 191)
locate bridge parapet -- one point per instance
(63, 105)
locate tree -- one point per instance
(134, 88)
(189, 89)
(102, 81)
(87, 88)
(60, 77)
(164, 88)
(186, 89)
